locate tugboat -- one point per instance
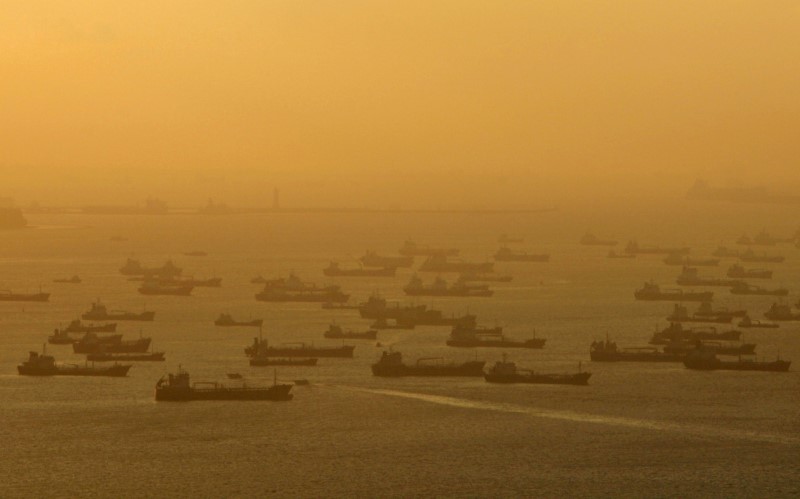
(391, 365)
(508, 372)
(72, 280)
(227, 320)
(6, 295)
(177, 388)
(651, 292)
(336, 332)
(747, 322)
(440, 263)
(607, 351)
(45, 365)
(333, 270)
(742, 288)
(739, 272)
(505, 254)
(751, 256)
(299, 349)
(76, 326)
(372, 259)
(99, 312)
(706, 360)
(410, 248)
(681, 314)
(781, 312)
(415, 287)
(471, 336)
(590, 239)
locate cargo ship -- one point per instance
(508, 372)
(76, 326)
(781, 312)
(100, 312)
(691, 277)
(607, 351)
(706, 360)
(681, 259)
(751, 257)
(91, 343)
(62, 337)
(742, 288)
(45, 365)
(333, 270)
(505, 254)
(298, 349)
(156, 289)
(651, 292)
(676, 332)
(178, 388)
(739, 272)
(391, 365)
(263, 361)
(470, 336)
(227, 320)
(6, 295)
(126, 357)
(439, 287)
(681, 314)
(336, 332)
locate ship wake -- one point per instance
(699, 431)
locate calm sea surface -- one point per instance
(637, 430)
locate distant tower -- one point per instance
(276, 204)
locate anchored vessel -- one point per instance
(742, 288)
(177, 388)
(391, 365)
(336, 332)
(107, 356)
(508, 372)
(299, 349)
(440, 263)
(484, 277)
(651, 291)
(260, 361)
(468, 335)
(227, 320)
(63, 337)
(72, 280)
(99, 312)
(416, 287)
(681, 259)
(681, 314)
(781, 312)
(6, 295)
(333, 270)
(751, 256)
(45, 365)
(505, 254)
(372, 259)
(607, 351)
(706, 360)
(590, 239)
(134, 268)
(410, 248)
(155, 289)
(739, 272)
(634, 248)
(747, 322)
(91, 343)
(76, 326)
(676, 332)
(690, 277)
(295, 290)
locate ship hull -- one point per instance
(274, 393)
(535, 343)
(116, 371)
(137, 346)
(534, 378)
(473, 368)
(271, 361)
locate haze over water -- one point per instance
(603, 113)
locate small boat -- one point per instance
(508, 372)
(178, 388)
(227, 320)
(260, 361)
(706, 360)
(336, 332)
(505, 254)
(6, 295)
(391, 365)
(754, 323)
(72, 280)
(742, 288)
(45, 365)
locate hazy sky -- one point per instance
(372, 102)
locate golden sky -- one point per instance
(372, 102)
